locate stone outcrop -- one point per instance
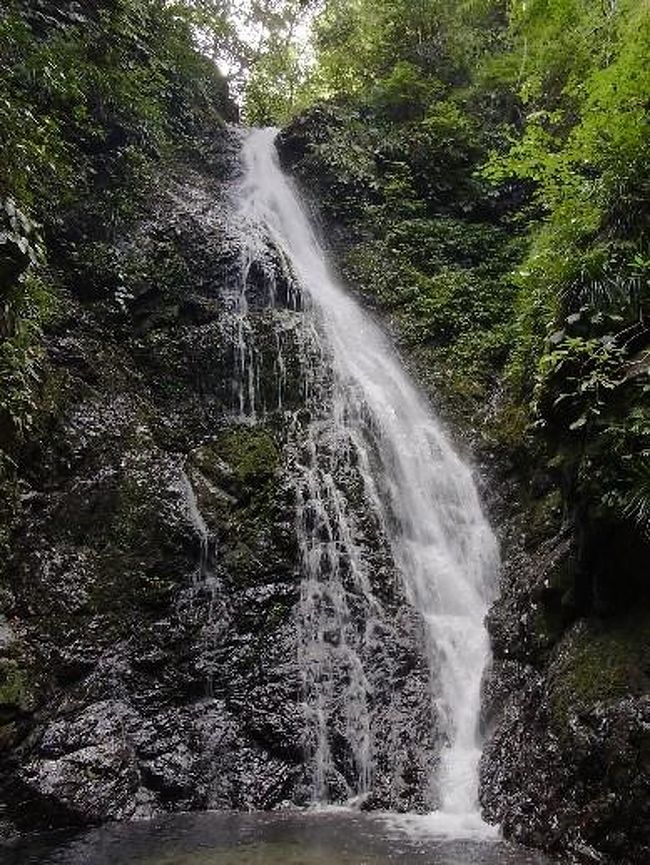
(566, 765)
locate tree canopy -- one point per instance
(440, 103)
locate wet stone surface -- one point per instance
(149, 643)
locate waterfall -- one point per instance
(366, 413)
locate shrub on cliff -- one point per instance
(92, 95)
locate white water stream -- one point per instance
(421, 491)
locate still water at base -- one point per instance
(285, 838)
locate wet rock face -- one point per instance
(580, 789)
(576, 784)
(152, 608)
(148, 647)
(566, 765)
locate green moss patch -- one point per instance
(251, 453)
(237, 478)
(14, 690)
(241, 459)
(604, 661)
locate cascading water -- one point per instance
(365, 413)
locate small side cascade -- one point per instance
(380, 495)
(259, 324)
(199, 525)
(330, 649)
(206, 584)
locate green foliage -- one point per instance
(636, 499)
(92, 96)
(589, 369)
(276, 89)
(405, 94)
(273, 57)
(360, 42)
(431, 248)
(84, 87)
(490, 162)
(24, 305)
(582, 332)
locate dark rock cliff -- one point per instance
(154, 564)
(149, 629)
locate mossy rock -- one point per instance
(252, 454)
(241, 459)
(544, 519)
(600, 662)
(239, 486)
(14, 687)
(509, 426)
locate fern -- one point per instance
(637, 500)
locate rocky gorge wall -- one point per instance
(116, 615)
(148, 639)
(152, 605)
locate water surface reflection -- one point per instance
(285, 838)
